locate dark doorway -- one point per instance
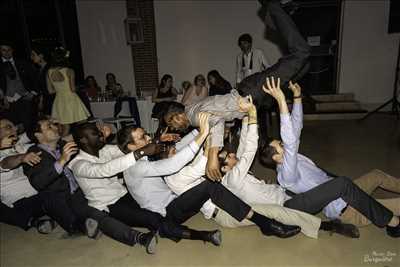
(319, 22)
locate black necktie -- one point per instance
(251, 62)
(10, 70)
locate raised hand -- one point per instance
(169, 137)
(274, 88)
(204, 125)
(69, 150)
(105, 129)
(213, 171)
(31, 158)
(152, 149)
(245, 103)
(295, 88)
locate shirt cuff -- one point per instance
(195, 132)
(58, 167)
(194, 147)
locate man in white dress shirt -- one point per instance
(250, 60)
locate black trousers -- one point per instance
(57, 206)
(48, 100)
(133, 108)
(289, 67)
(189, 203)
(23, 212)
(128, 211)
(314, 200)
(110, 226)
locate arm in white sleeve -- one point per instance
(242, 140)
(239, 74)
(87, 169)
(236, 177)
(297, 119)
(144, 168)
(187, 139)
(186, 178)
(264, 61)
(288, 169)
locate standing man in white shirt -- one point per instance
(250, 60)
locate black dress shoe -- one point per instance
(393, 231)
(290, 7)
(344, 229)
(149, 241)
(281, 230)
(215, 237)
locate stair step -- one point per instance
(334, 98)
(334, 116)
(338, 106)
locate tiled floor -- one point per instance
(345, 147)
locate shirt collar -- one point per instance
(47, 148)
(8, 60)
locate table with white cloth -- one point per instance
(105, 109)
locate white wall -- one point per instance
(197, 36)
(103, 42)
(369, 53)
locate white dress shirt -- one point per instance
(14, 185)
(237, 180)
(97, 178)
(146, 185)
(254, 62)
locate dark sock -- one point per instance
(260, 220)
(326, 226)
(199, 235)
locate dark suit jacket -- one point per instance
(41, 80)
(43, 176)
(26, 72)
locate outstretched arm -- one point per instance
(288, 169)
(297, 111)
(165, 166)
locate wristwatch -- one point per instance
(138, 154)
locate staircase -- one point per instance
(333, 107)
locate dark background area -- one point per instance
(42, 23)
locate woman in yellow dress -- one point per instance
(67, 106)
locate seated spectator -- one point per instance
(91, 87)
(217, 84)
(165, 91)
(21, 205)
(186, 85)
(115, 89)
(197, 92)
(164, 96)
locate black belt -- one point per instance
(344, 209)
(215, 213)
